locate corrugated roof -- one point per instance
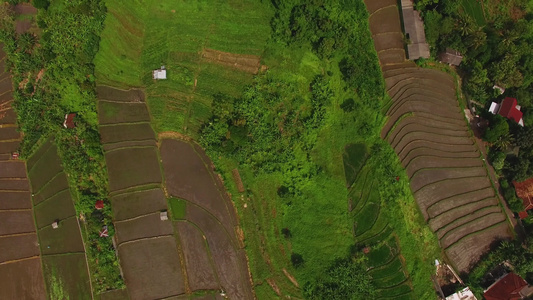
(507, 288)
(509, 110)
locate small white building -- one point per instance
(464, 294)
(160, 73)
(163, 215)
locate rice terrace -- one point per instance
(247, 149)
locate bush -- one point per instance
(41, 4)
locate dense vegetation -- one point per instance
(323, 91)
(54, 75)
(495, 39)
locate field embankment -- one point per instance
(427, 129)
(21, 275)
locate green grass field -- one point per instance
(474, 9)
(141, 36)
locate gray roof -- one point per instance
(414, 31)
(451, 57)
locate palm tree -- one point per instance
(504, 142)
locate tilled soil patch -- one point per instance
(470, 248)
(126, 132)
(474, 224)
(14, 185)
(389, 40)
(424, 177)
(391, 56)
(116, 112)
(426, 162)
(463, 214)
(114, 94)
(8, 117)
(424, 151)
(134, 204)
(437, 146)
(460, 200)
(22, 280)
(229, 263)
(15, 200)
(9, 133)
(144, 144)
(65, 239)
(132, 167)
(197, 257)
(373, 5)
(14, 222)
(152, 268)
(188, 177)
(386, 19)
(18, 247)
(54, 186)
(9, 147)
(57, 207)
(142, 227)
(12, 169)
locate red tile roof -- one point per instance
(69, 121)
(507, 288)
(99, 204)
(508, 109)
(523, 215)
(524, 191)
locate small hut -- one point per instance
(99, 205)
(104, 232)
(163, 215)
(160, 73)
(451, 57)
(55, 225)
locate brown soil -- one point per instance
(9, 147)
(6, 96)
(126, 132)
(14, 185)
(243, 62)
(373, 5)
(131, 205)
(25, 9)
(54, 186)
(22, 26)
(15, 200)
(424, 177)
(132, 167)
(116, 112)
(142, 227)
(200, 271)
(65, 239)
(14, 222)
(114, 94)
(9, 133)
(132, 144)
(12, 169)
(391, 56)
(152, 269)
(8, 117)
(467, 213)
(17, 247)
(230, 263)
(458, 201)
(194, 181)
(22, 280)
(57, 207)
(238, 180)
(385, 20)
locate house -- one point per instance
(99, 205)
(414, 31)
(160, 73)
(508, 287)
(464, 294)
(524, 191)
(509, 109)
(451, 57)
(523, 215)
(69, 121)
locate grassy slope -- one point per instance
(135, 42)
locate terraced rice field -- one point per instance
(428, 131)
(146, 245)
(21, 275)
(63, 253)
(166, 258)
(372, 230)
(206, 226)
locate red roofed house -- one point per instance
(69, 121)
(509, 287)
(523, 215)
(509, 109)
(524, 191)
(99, 204)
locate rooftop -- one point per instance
(511, 110)
(414, 31)
(451, 57)
(506, 288)
(524, 191)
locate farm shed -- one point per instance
(99, 205)
(451, 57)
(160, 73)
(524, 191)
(414, 31)
(509, 287)
(509, 109)
(69, 121)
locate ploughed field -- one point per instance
(162, 258)
(428, 131)
(21, 275)
(63, 253)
